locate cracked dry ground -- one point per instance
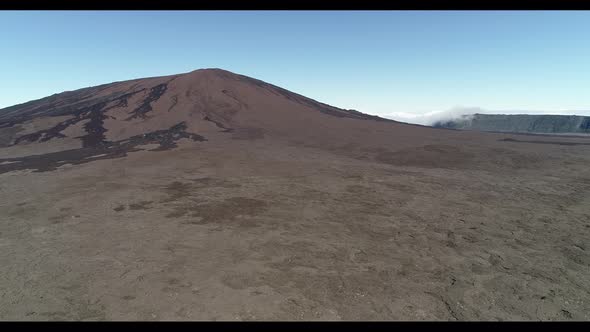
(263, 231)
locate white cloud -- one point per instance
(430, 118)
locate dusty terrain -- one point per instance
(223, 198)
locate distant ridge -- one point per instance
(520, 123)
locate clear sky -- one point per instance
(379, 62)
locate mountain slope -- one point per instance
(208, 104)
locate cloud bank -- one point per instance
(430, 118)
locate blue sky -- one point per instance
(379, 62)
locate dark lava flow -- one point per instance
(166, 138)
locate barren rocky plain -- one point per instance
(214, 196)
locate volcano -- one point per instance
(163, 110)
(212, 195)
